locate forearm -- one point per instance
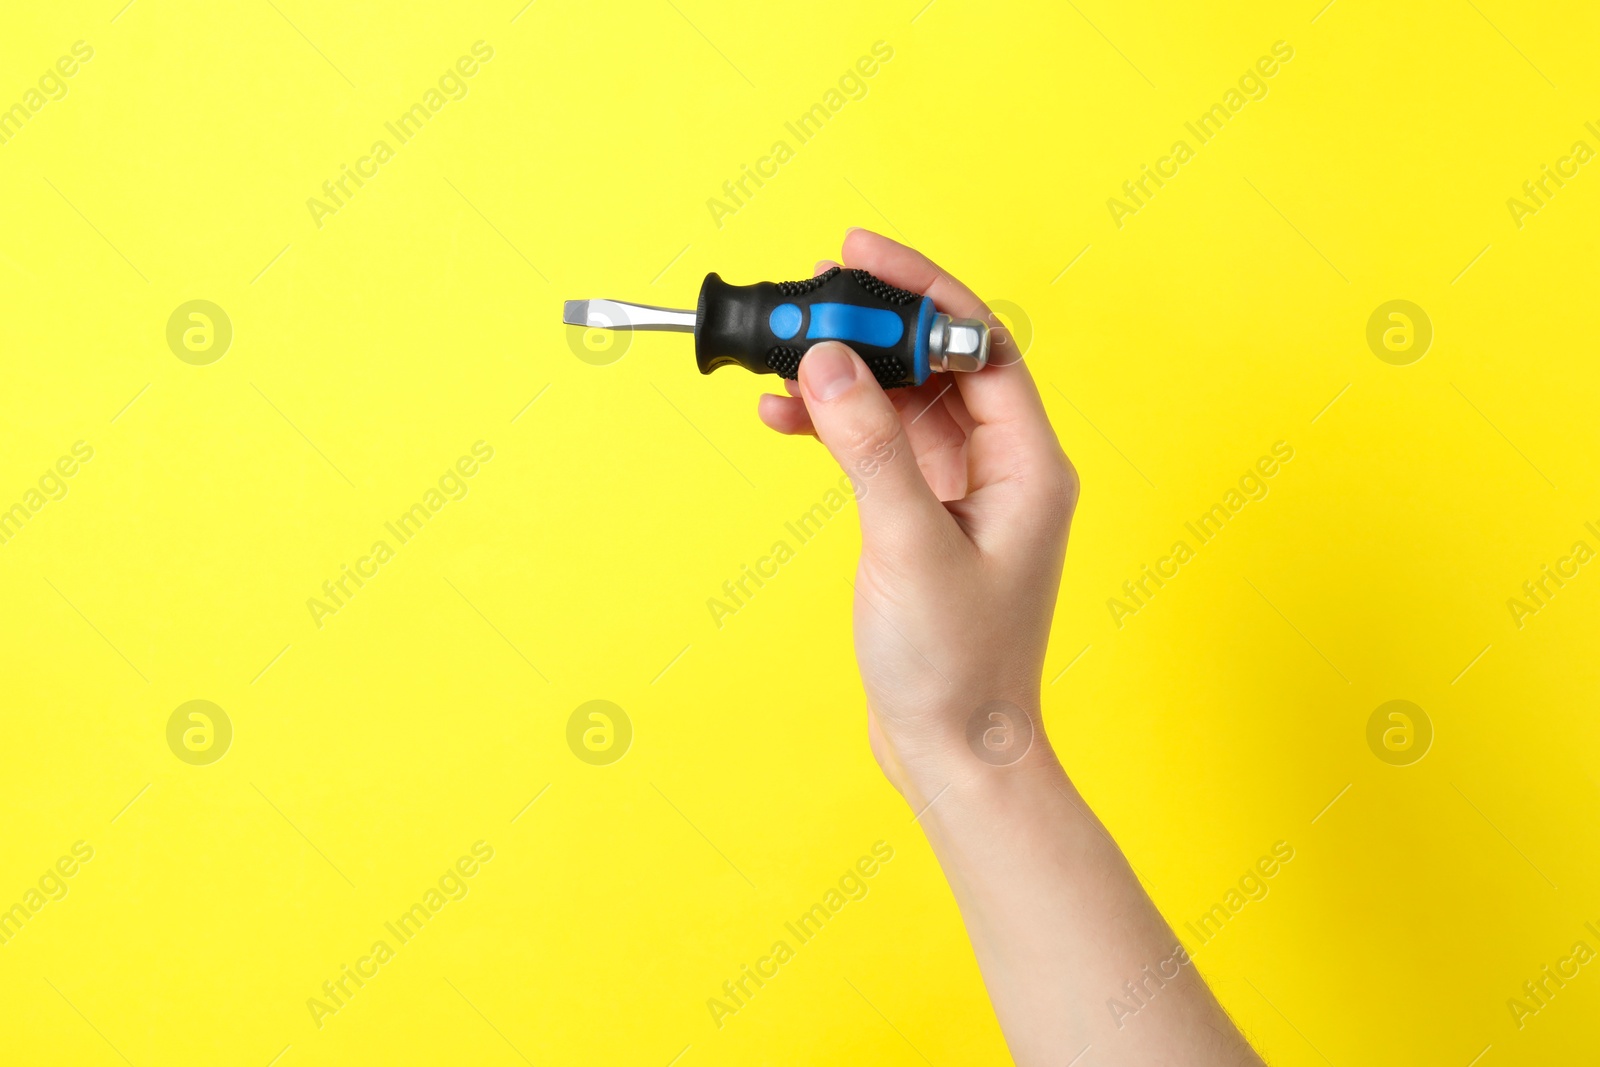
(1072, 950)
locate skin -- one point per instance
(966, 498)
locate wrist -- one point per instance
(1001, 748)
(983, 821)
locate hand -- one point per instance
(965, 498)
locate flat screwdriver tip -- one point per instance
(616, 315)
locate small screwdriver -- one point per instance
(767, 327)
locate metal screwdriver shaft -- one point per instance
(619, 315)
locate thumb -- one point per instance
(861, 428)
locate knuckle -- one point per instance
(1071, 487)
(1056, 492)
(873, 441)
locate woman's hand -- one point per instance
(965, 499)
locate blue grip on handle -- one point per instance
(854, 324)
(785, 321)
(919, 358)
(859, 325)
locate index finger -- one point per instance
(1002, 392)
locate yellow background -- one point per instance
(370, 353)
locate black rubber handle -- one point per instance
(768, 327)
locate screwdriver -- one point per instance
(767, 327)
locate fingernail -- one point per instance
(827, 371)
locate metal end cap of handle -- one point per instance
(958, 344)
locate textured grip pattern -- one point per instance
(883, 290)
(785, 361)
(866, 279)
(794, 289)
(886, 368)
